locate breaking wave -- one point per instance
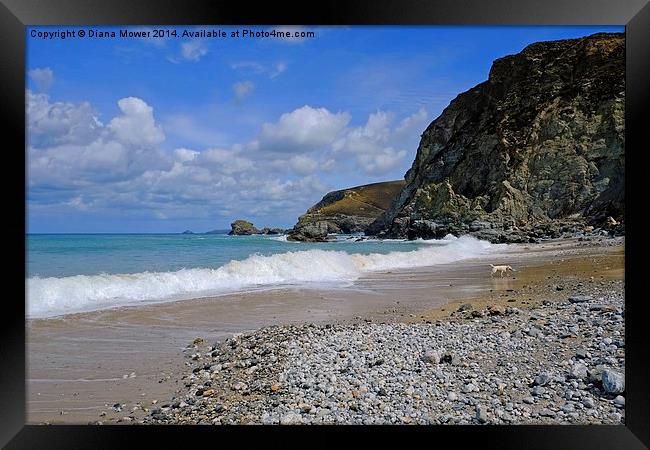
(47, 297)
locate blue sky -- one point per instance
(163, 135)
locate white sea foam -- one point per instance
(47, 297)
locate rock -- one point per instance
(239, 386)
(595, 375)
(345, 211)
(187, 232)
(267, 230)
(275, 387)
(242, 228)
(580, 298)
(198, 341)
(497, 310)
(481, 414)
(431, 357)
(545, 412)
(578, 371)
(208, 393)
(588, 402)
(291, 419)
(613, 382)
(465, 307)
(619, 401)
(452, 397)
(568, 408)
(542, 379)
(538, 105)
(582, 353)
(311, 232)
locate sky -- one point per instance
(163, 134)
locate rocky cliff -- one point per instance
(536, 149)
(345, 211)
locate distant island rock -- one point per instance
(345, 211)
(187, 232)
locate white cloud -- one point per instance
(381, 161)
(302, 130)
(68, 146)
(303, 165)
(42, 77)
(243, 89)
(185, 155)
(59, 122)
(137, 125)
(80, 164)
(194, 50)
(413, 123)
(373, 144)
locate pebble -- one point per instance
(613, 381)
(619, 401)
(418, 373)
(481, 414)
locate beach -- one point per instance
(119, 365)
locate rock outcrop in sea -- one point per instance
(243, 227)
(536, 150)
(345, 211)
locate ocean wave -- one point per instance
(47, 297)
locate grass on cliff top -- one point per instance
(366, 201)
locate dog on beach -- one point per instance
(502, 269)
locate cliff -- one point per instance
(345, 211)
(536, 149)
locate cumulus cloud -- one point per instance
(60, 122)
(243, 89)
(373, 145)
(42, 78)
(194, 50)
(302, 130)
(82, 165)
(303, 165)
(137, 125)
(68, 146)
(122, 165)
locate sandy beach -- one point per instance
(114, 366)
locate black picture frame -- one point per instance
(15, 15)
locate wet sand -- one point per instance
(77, 363)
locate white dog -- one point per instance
(502, 269)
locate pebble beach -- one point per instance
(559, 359)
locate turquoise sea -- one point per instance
(69, 273)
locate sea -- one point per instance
(72, 273)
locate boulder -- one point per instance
(242, 227)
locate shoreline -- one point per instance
(148, 341)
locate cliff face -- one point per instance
(537, 148)
(345, 211)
